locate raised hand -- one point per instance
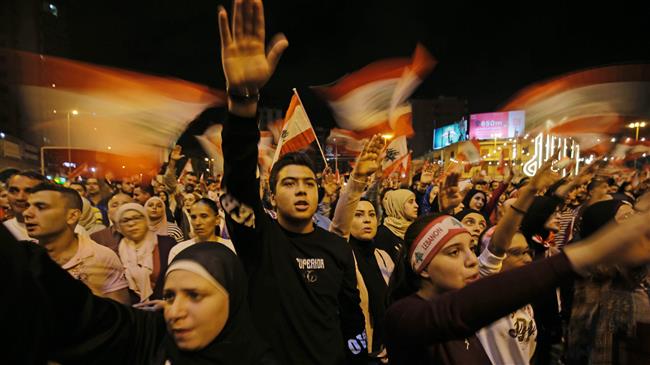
(428, 173)
(450, 196)
(329, 182)
(247, 65)
(370, 158)
(177, 153)
(544, 177)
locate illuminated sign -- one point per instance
(550, 147)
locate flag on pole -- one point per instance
(78, 171)
(373, 99)
(297, 132)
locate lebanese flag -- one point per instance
(297, 132)
(374, 99)
(119, 112)
(78, 171)
(346, 140)
(599, 101)
(468, 151)
(396, 157)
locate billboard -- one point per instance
(449, 134)
(500, 125)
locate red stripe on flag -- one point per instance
(376, 71)
(298, 142)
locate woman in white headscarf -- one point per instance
(143, 253)
(400, 211)
(156, 212)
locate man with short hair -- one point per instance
(142, 193)
(79, 188)
(127, 185)
(110, 237)
(18, 186)
(51, 218)
(302, 281)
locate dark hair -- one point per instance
(7, 173)
(72, 198)
(30, 175)
(80, 184)
(291, 158)
(404, 281)
(595, 183)
(210, 203)
(146, 188)
(191, 173)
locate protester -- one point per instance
(156, 213)
(204, 216)
(205, 317)
(356, 220)
(143, 253)
(111, 236)
(142, 193)
(400, 209)
(51, 218)
(18, 186)
(435, 312)
(90, 219)
(302, 279)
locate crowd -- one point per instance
(295, 266)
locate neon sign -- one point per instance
(557, 148)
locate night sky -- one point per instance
(486, 50)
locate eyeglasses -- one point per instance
(520, 252)
(134, 219)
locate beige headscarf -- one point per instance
(137, 257)
(393, 204)
(159, 228)
(87, 219)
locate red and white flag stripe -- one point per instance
(374, 99)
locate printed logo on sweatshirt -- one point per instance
(308, 266)
(523, 329)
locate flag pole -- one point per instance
(318, 143)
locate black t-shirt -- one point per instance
(302, 287)
(388, 241)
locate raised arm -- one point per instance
(247, 67)
(509, 224)
(367, 164)
(457, 314)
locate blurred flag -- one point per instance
(78, 171)
(346, 140)
(599, 101)
(210, 141)
(373, 99)
(297, 132)
(468, 151)
(110, 110)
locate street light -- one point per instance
(73, 112)
(636, 125)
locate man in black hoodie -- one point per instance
(303, 294)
